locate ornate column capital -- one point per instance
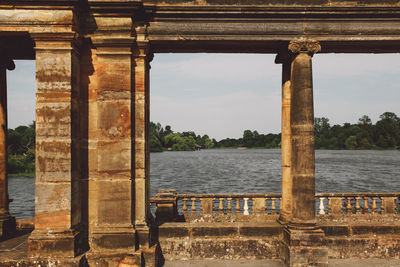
(304, 45)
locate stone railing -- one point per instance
(171, 206)
(357, 203)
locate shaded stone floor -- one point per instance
(15, 248)
(271, 263)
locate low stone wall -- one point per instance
(255, 240)
(204, 240)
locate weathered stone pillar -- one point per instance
(285, 58)
(143, 56)
(111, 107)
(302, 133)
(303, 240)
(57, 193)
(7, 222)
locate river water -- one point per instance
(248, 171)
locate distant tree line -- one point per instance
(252, 139)
(165, 139)
(21, 149)
(384, 134)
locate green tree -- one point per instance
(351, 142)
(248, 138)
(208, 143)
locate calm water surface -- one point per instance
(248, 171)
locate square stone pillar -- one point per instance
(143, 56)
(57, 187)
(111, 105)
(7, 222)
(304, 243)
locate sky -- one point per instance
(224, 94)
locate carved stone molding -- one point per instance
(142, 43)
(304, 45)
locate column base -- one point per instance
(42, 244)
(7, 226)
(106, 241)
(304, 247)
(143, 235)
(149, 257)
(283, 220)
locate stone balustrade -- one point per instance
(357, 203)
(169, 205)
(228, 204)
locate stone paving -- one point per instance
(271, 263)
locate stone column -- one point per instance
(7, 222)
(143, 56)
(303, 239)
(57, 186)
(302, 133)
(111, 107)
(285, 58)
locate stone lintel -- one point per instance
(120, 7)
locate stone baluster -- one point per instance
(365, 209)
(358, 208)
(374, 207)
(246, 206)
(237, 208)
(7, 222)
(221, 206)
(273, 205)
(229, 208)
(193, 207)
(321, 206)
(184, 206)
(349, 207)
